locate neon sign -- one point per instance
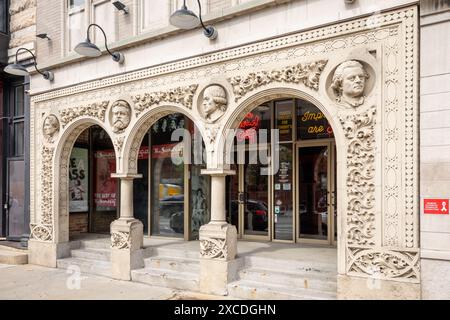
(249, 127)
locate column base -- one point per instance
(355, 288)
(127, 237)
(216, 274)
(218, 249)
(46, 253)
(218, 240)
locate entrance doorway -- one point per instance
(173, 197)
(297, 203)
(93, 193)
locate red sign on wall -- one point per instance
(435, 206)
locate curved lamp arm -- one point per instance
(209, 31)
(117, 56)
(46, 74)
(104, 35)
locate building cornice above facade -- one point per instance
(301, 37)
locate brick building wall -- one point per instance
(78, 223)
(49, 17)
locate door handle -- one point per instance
(241, 197)
(332, 198)
(6, 205)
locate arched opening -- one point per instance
(173, 197)
(295, 201)
(92, 193)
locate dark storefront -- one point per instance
(14, 148)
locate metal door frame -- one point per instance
(331, 188)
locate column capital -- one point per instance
(218, 172)
(126, 176)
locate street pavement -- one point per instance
(33, 282)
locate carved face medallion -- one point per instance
(121, 115)
(353, 82)
(214, 103)
(349, 82)
(50, 127)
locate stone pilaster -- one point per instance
(218, 241)
(126, 233)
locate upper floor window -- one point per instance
(154, 14)
(81, 13)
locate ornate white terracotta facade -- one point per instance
(377, 141)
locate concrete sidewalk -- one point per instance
(35, 282)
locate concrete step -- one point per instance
(290, 265)
(92, 254)
(95, 244)
(166, 278)
(8, 256)
(173, 264)
(176, 253)
(245, 289)
(100, 268)
(306, 279)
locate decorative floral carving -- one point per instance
(120, 240)
(118, 143)
(41, 232)
(182, 95)
(382, 264)
(211, 133)
(47, 185)
(360, 134)
(95, 110)
(308, 74)
(214, 248)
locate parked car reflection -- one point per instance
(255, 215)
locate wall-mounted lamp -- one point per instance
(120, 6)
(186, 19)
(43, 36)
(19, 70)
(88, 49)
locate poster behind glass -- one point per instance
(105, 186)
(79, 180)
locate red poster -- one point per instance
(105, 186)
(435, 206)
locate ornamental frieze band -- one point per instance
(308, 74)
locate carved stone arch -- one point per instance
(140, 128)
(341, 153)
(61, 173)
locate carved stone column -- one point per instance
(218, 240)
(127, 233)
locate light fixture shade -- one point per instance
(88, 49)
(16, 69)
(184, 19)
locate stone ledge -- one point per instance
(435, 254)
(13, 257)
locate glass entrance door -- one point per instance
(315, 186)
(247, 201)
(255, 209)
